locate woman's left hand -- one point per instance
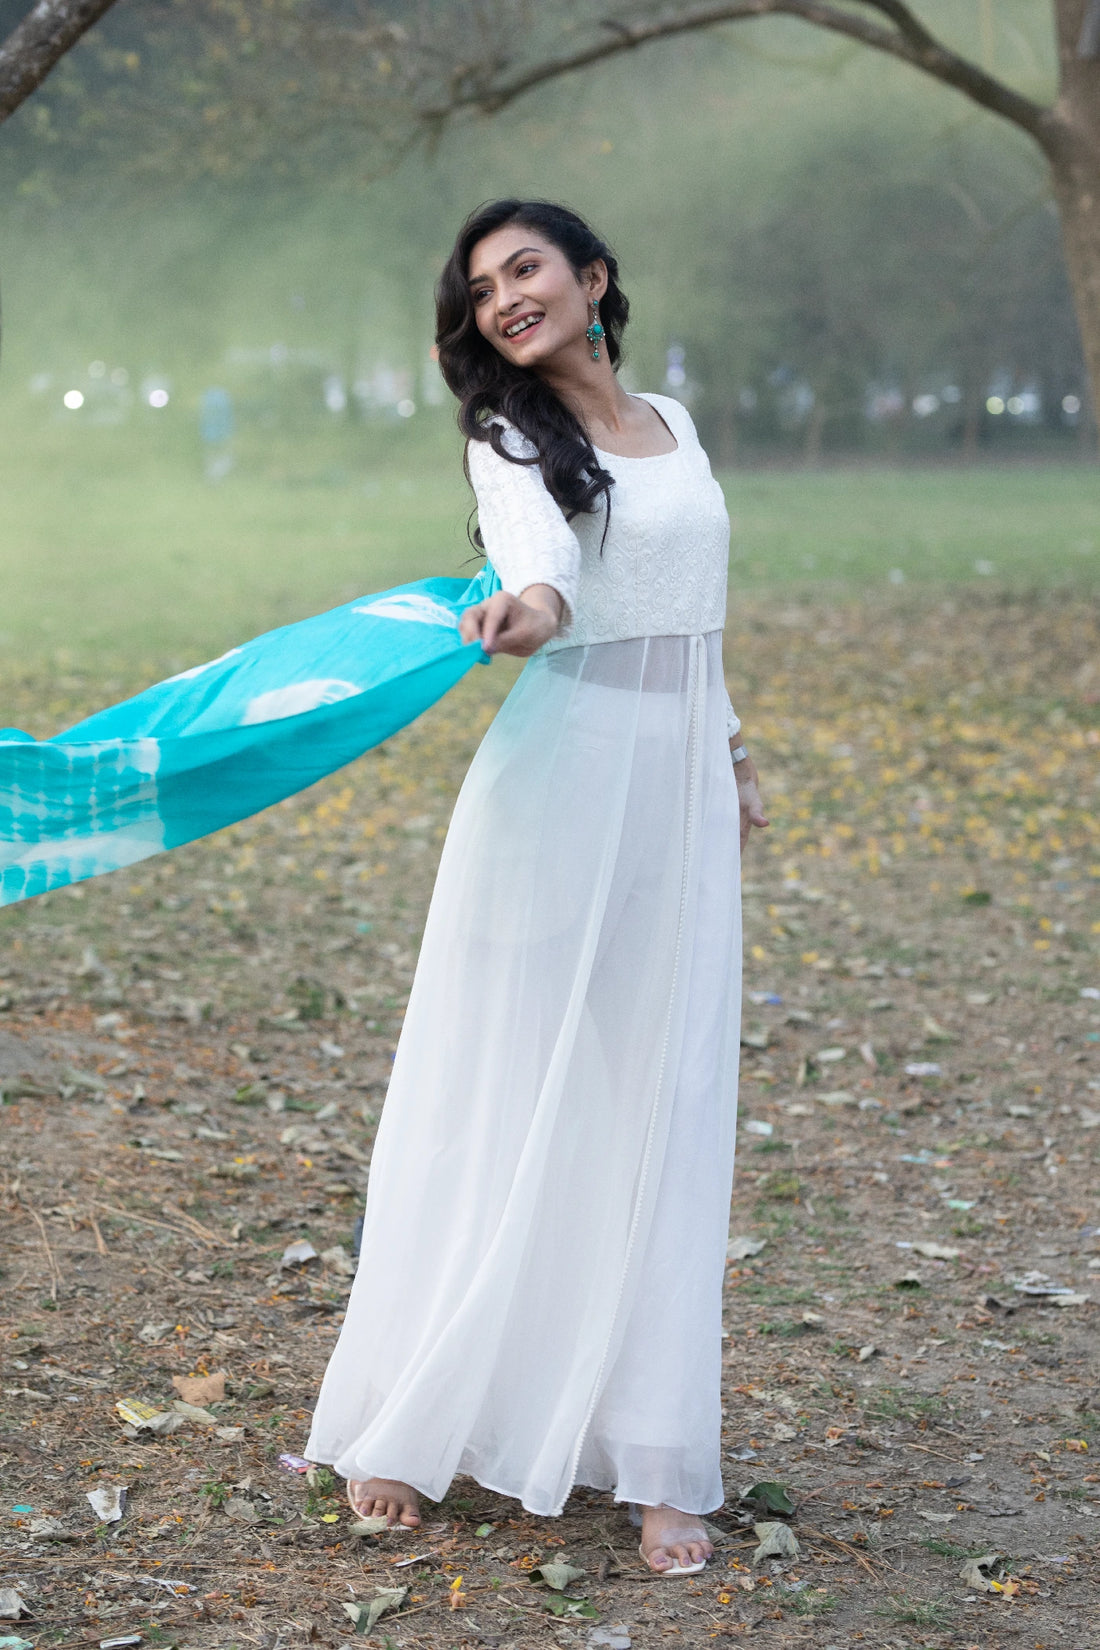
(748, 796)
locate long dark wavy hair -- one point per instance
(485, 383)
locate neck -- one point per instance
(589, 388)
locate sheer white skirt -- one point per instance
(538, 1300)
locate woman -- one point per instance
(538, 1301)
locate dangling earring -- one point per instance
(595, 332)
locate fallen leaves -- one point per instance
(365, 1616)
(201, 1389)
(369, 1526)
(12, 1605)
(931, 1251)
(108, 1501)
(776, 1541)
(768, 1496)
(558, 1575)
(977, 1573)
(743, 1248)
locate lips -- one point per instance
(526, 323)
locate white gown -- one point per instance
(538, 1299)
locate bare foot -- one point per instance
(672, 1538)
(385, 1498)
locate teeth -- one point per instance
(521, 326)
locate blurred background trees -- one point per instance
(828, 253)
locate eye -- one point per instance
(481, 293)
(525, 269)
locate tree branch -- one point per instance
(38, 42)
(908, 41)
(908, 24)
(1088, 45)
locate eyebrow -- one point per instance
(476, 280)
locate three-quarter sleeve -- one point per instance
(733, 721)
(525, 533)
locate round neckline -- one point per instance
(644, 458)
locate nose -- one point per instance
(507, 299)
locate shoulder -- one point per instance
(483, 457)
(674, 413)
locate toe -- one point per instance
(658, 1559)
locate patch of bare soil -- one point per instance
(193, 1056)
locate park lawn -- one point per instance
(1014, 526)
(116, 554)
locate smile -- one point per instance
(524, 324)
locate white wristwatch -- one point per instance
(739, 755)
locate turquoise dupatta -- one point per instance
(225, 739)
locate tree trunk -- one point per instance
(1076, 182)
(815, 433)
(1072, 145)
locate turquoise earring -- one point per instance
(595, 332)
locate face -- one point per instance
(528, 303)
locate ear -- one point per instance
(594, 279)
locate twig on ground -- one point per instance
(161, 1225)
(100, 1246)
(938, 1453)
(833, 1541)
(55, 1270)
(194, 1225)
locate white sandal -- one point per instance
(674, 1569)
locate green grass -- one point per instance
(915, 1612)
(115, 551)
(943, 1548)
(1033, 526)
(816, 1603)
(112, 544)
(892, 1404)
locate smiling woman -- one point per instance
(513, 308)
(538, 1299)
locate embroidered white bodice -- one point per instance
(664, 562)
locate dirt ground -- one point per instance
(193, 1056)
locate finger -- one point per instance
(469, 626)
(494, 623)
(504, 616)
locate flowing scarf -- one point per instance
(223, 740)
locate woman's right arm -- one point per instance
(531, 545)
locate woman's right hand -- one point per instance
(509, 624)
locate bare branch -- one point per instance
(908, 24)
(32, 48)
(908, 40)
(1088, 45)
